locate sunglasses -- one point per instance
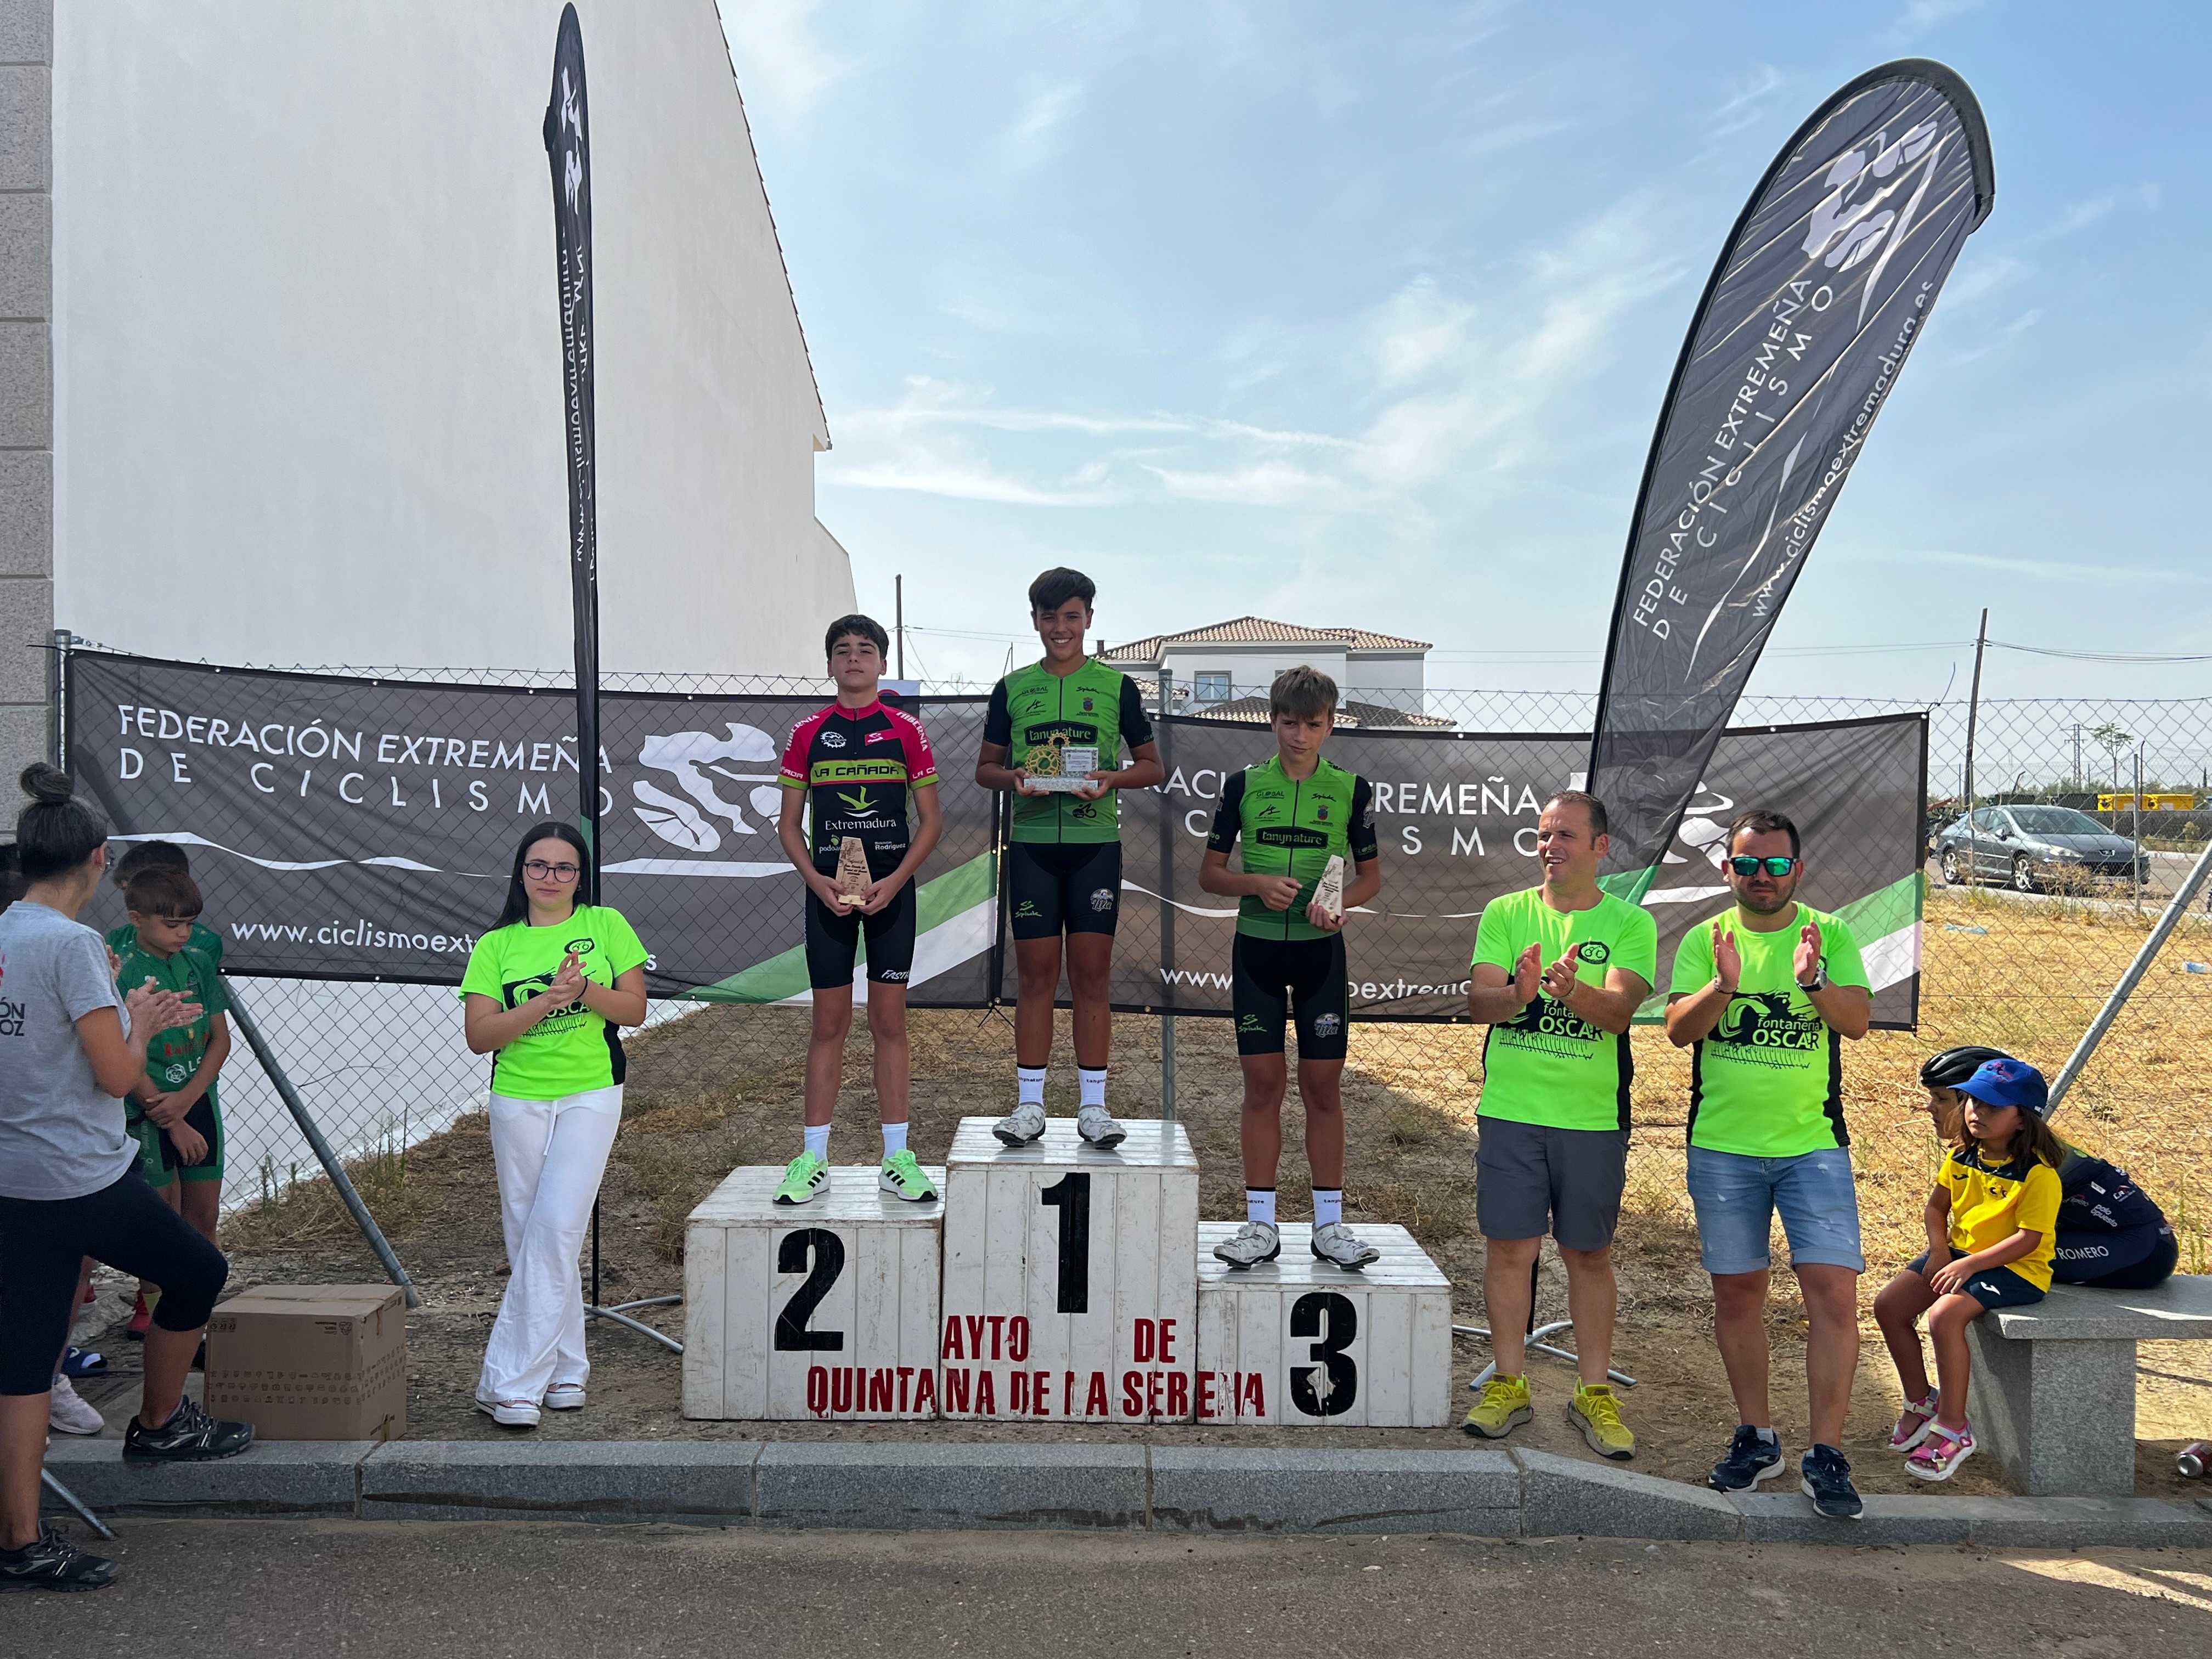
(538, 870)
(1744, 866)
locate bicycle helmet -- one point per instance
(1954, 1066)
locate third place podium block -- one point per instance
(1070, 1276)
(825, 1310)
(1298, 1341)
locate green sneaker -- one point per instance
(1595, 1411)
(902, 1177)
(1503, 1408)
(805, 1178)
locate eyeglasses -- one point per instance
(1744, 866)
(538, 870)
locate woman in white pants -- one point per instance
(545, 993)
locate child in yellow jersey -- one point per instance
(1992, 1231)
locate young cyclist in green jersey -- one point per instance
(1294, 813)
(173, 1109)
(1559, 971)
(1064, 860)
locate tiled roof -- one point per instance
(1253, 711)
(1259, 630)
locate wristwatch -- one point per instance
(1819, 981)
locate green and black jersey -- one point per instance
(1293, 827)
(1094, 707)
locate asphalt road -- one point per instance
(491, 1590)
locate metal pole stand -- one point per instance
(1536, 1335)
(620, 1314)
(46, 1479)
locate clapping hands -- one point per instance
(1807, 961)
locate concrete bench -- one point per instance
(2053, 1396)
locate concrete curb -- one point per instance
(842, 1484)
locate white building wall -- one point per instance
(1255, 669)
(308, 389)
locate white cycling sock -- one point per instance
(1094, 1084)
(1260, 1204)
(894, 1138)
(817, 1140)
(1328, 1205)
(1030, 1080)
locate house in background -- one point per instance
(1223, 670)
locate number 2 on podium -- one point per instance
(1071, 1196)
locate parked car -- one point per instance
(2032, 847)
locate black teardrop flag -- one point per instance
(1819, 295)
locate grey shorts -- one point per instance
(1530, 1179)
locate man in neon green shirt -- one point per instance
(1559, 971)
(1764, 992)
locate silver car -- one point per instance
(2032, 847)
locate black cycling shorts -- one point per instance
(832, 942)
(2135, 1260)
(1299, 979)
(1055, 887)
(125, 1225)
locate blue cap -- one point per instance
(2009, 1083)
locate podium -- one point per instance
(1071, 1284)
(824, 1311)
(1299, 1340)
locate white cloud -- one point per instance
(2049, 571)
(1033, 141)
(1418, 328)
(1263, 483)
(783, 66)
(1743, 108)
(1921, 16)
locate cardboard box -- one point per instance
(311, 1362)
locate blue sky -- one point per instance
(1362, 315)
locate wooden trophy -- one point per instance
(852, 873)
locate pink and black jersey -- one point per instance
(857, 766)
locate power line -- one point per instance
(2103, 656)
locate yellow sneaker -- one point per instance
(1504, 1407)
(1596, 1412)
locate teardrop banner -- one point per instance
(1818, 297)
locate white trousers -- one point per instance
(551, 1155)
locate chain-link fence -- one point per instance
(2088, 815)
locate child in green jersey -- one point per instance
(177, 1118)
(1295, 814)
(1064, 856)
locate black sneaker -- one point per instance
(189, 1437)
(1751, 1459)
(51, 1562)
(1828, 1484)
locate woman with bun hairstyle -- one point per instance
(70, 1048)
(545, 993)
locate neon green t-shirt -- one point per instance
(1769, 1081)
(1548, 1065)
(575, 1050)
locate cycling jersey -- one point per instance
(1094, 707)
(1293, 827)
(857, 766)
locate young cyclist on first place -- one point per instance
(1064, 865)
(1294, 813)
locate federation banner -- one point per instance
(364, 830)
(568, 149)
(1819, 295)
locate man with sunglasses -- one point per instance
(1760, 993)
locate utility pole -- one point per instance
(2077, 753)
(1973, 715)
(899, 616)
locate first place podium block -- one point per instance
(1296, 1340)
(1070, 1276)
(824, 1311)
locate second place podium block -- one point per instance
(1070, 1276)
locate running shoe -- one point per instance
(189, 1435)
(510, 1413)
(1021, 1125)
(69, 1412)
(1249, 1245)
(565, 1397)
(1595, 1410)
(1096, 1125)
(902, 1177)
(805, 1178)
(1752, 1457)
(1336, 1244)
(50, 1562)
(1913, 1423)
(1828, 1484)
(1938, 1456)
(1504, 1407)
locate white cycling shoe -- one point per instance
(1249, 1245)
(1024, 1124)
(1096, 1125)
(1334, 1242)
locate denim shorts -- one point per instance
(1736, 1198)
